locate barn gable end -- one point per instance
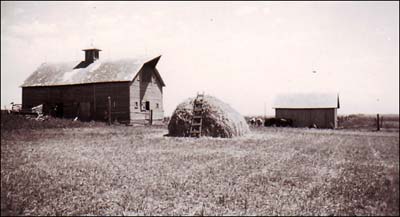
(146, 94)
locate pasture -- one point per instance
(62, 167)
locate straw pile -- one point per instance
(219, 119)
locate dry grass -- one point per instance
(13, 122)
(389, 122)
(100, 170)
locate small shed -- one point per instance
(131, 88)
(307, 109)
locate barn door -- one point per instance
(59, 110)
(84, 111)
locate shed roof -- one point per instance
(54, 74)
(307, 100)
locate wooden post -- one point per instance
(151, 117)
(109, 110)
(377, 122)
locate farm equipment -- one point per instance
(278, 122)
(15, 108)
(34, 111)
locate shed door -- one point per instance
(84, 111)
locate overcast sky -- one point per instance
(244, 53)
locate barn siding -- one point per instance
(94, 96)
(323, 118)
(144, 88)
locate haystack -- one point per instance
(219, 119)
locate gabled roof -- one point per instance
(307, 100)
(54, 74)
(153, 64)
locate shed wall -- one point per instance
(323, 118)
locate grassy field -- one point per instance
(388, 122)
(61, 167)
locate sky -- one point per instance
(244, 53)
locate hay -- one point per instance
(219, 119)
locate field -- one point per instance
(60, 167)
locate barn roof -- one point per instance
(54, 74)
(307, 100)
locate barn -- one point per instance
(307, 109)
(131, 89)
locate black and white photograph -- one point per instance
(200, 108)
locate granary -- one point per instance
(131, 88)
(308, 109)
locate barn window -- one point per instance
(157, 106)
(138, 77)
(136, 105)
(145, 106)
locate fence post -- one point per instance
(109, 110)
(151, 117)
(377, 122)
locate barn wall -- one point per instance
(88, 101)
(146, 88)
(323, 118)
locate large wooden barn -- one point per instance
(308, 109)
(131, 88)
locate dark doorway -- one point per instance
(84, 111)
(59, 110)
(147, 105)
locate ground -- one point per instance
(68, 168)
